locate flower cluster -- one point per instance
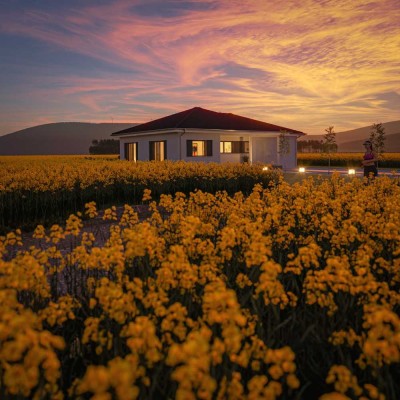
(44, 189)
(289, 292)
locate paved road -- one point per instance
(344, 171)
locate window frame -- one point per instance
(208, 148)
(152, 149)
(237, 147)
(135, 151)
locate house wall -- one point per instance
(289, 161)
(176, 145)
(234, 157)
(201, 135)
(292, 156)
(264, 150)
(144, 147)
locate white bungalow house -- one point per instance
(203, 135)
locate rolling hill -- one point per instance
(392, 144)
(351, 141)
(76, 138)
(57, 138)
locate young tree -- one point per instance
(329, 143)
(377, 138)
(284, 145)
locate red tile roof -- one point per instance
(200, 118)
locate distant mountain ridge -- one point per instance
(57, 138)
(352, 140)
(76, 138)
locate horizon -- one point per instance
(304, 65)
(136, 123)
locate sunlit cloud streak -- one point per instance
(304, 64)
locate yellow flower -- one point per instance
(142, 339)
(146, 195)
(343, 380)
(91, 210)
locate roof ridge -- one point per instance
(201, 118)
(191, 110)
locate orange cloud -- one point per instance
(307, 64)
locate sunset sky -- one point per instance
(303, 64)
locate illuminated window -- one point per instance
(226, 147)
(199, 148)
(234, 147)
(131, 151)
(158, 151)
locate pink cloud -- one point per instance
(319, 57)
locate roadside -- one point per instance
(391, 172)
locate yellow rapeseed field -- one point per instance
(46, 189)
(386, 160)
(290, 292)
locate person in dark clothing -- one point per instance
(369, 160)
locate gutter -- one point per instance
(180, 143)
(145, 133)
